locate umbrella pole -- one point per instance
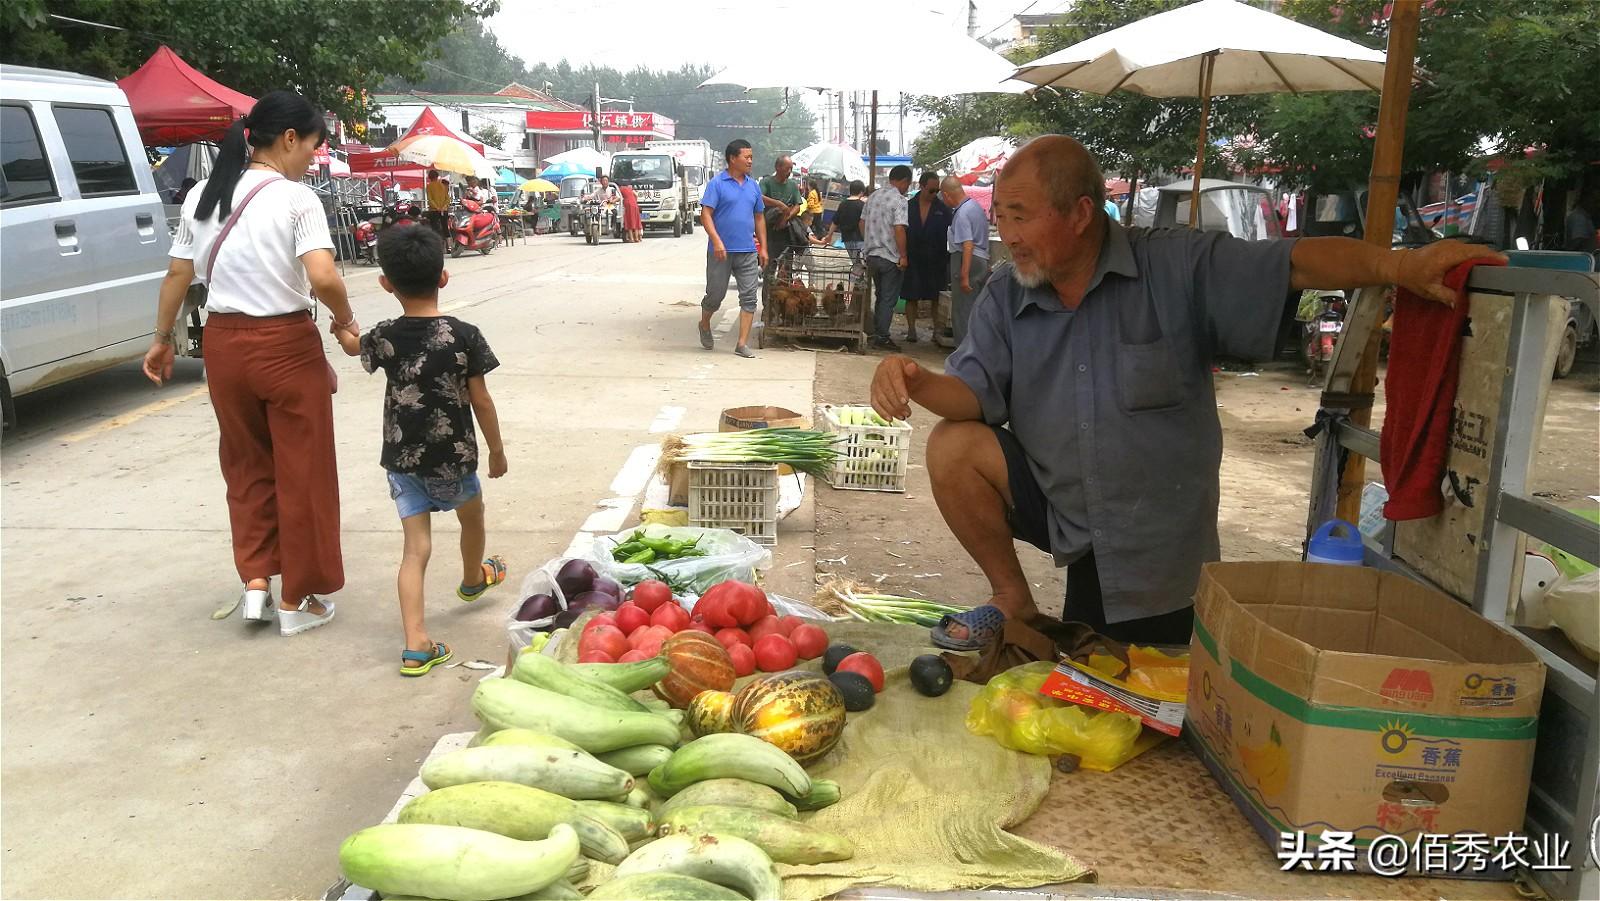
(1207, 64)
(1383, 189)
(872, 151)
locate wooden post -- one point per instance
(872, 148)
(1383, 190)
(1208, 63)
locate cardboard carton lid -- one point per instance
(737, 419)
(1353, 636)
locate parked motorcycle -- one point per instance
(1322, 321)
(594, 215)
(365, 236)
(473, 227)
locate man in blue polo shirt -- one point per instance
(736, 236)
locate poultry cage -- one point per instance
(816, 292)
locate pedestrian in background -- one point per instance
(781, 197)
(968, 243)
(438, 192)
(632, 219)
(434, 366)
(927, 274)
(847, 222)
(814, 206)
(270, 383)
(736, 243)
(885, 216)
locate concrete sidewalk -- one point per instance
(152, 752)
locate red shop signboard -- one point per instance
(575, 120)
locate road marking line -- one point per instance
(667, 419)
(133, 416)
(635, 473)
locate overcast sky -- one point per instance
(664, 34)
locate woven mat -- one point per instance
(926, 802)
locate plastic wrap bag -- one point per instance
(729, 555)
(1011, 709)
(539, 581)
(1573, 604)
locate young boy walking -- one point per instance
(435, 365)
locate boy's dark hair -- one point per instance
(412, 256)
(900, 173)
(734, 147)
(856, 187)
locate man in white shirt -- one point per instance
(886, 218)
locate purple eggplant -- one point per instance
(608, 586)
(586, 601)
(575, 577)
(539, 606)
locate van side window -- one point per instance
(98, 158)
(24, 172)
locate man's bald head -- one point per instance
(953, 190)
(1063, 167)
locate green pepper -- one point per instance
(645, 556)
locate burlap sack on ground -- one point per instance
(925, 801)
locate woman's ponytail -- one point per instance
(274, 114)
(232, 156)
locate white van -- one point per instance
(83, 235)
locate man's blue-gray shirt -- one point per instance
(1114, 404)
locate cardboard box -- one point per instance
(1344, 699)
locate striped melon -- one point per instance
(698, 663)
(798, 711)
(710, 712)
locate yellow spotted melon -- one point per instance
(796, 710)
(710, 712)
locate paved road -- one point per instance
(151, 752)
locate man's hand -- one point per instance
(497, 464)
(158, 362)
(1422, 270)
(903, 261)
(761, 255)
(897, 376)
(720, 251)
(966, 284)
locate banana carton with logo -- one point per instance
(1342, 699)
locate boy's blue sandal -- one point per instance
(494, 572)
(417, 663)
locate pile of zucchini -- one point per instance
(553, 782)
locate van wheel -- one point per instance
(677, 227)
(688, 225)
(8, 410)
(1567, 353)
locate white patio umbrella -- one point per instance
(586, 159)
(832, 160)
(446, 154)
(915, 55)
(1207, 49)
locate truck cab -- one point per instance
(669, 178)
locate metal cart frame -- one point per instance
(832, 278)
(1562, 799)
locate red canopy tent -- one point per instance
(407, 174)
(173, 103)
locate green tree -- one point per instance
(332, 52)
(490, 134)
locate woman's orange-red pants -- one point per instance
(272, 392)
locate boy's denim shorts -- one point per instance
(415, 494)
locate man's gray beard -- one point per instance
(1029, 279)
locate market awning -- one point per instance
(174, 103)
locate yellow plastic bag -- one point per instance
(1011, 709)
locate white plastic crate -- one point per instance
(739, 497)
(872, 457)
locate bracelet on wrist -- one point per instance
(170, 336)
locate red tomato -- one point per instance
(809, 641)
(631, 616)
(699, 625)
(595, 655)
(787, 624)
(651, 594)
(608, 618)
(637, 635)
(744, 659)
(670, 616)
(731, 637)
(608, 639)
(774, 653)
(650, 643)
(709, 598)
(767, 625)
(751, 604)
(633, 657)
(865, 664)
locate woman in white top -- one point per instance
(259, 241)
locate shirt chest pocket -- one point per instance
(1148, 376)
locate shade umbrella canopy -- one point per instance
(582, 159)
(831, 160)
(506, 177)
(1208, 49)
(430, 125)
(447, 155)
(538, 186)
(1254, 52)
(173, 103)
